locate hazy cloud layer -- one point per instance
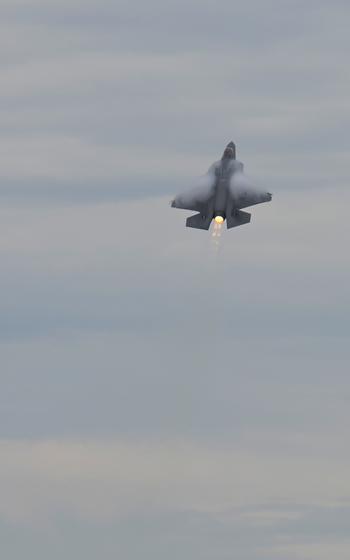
(159, 399)
(176, 491)
(125, 99)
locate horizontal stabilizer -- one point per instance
(199, 221)
(238, 218)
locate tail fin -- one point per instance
(238, 218)
(199, 221)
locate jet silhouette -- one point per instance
(221, 194)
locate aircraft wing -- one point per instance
(198, 198)
(246, 199)
(244, 194)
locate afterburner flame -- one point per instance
(219, 219)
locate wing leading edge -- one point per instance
(198, 198)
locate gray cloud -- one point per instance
(173, 492)
(157, 399)
(86, 92)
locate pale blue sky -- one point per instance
(158, 400)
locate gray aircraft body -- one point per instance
(221, 194)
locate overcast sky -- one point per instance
(159, 400)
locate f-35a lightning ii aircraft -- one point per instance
(221, 194)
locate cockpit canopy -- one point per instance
(230, 151)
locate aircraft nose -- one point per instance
(231, 146)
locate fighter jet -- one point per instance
(221, 194)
